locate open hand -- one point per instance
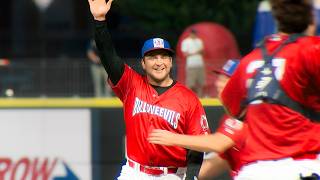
(99, 8)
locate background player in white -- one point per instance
(192, 48)
(151, 101)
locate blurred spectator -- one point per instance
(219, 45)
(192, 48)
(99, 75)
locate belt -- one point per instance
(152, 170)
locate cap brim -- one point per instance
(219, 71)
(167, 49)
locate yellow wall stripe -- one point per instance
(75, 102)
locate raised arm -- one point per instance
(216, 142)
(112, 63)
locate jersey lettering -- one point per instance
(170, 116)
(264, 81)
(278, 63)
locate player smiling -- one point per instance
(150, 101)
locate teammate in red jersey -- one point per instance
(276, 90)
(151, 101)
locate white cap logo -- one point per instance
(158, 43)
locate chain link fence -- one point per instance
(50, 78)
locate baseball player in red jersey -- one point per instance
(276, 90)
(151, 101)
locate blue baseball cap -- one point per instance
(228, 68)
(154, 44)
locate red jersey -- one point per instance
(236, 130)
(177, 110)
(275, 131)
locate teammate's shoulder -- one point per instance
(310, 39)
(310, 43)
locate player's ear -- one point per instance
(143, 64)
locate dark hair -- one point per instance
(293, 16)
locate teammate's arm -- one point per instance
(216, 142)
(112, 63)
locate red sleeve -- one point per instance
(197, 123)
(125, 83)
(232, 128)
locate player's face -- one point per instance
(157, 65)
(221, 83)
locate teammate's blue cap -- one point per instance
(228, 68)
(154, 44)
